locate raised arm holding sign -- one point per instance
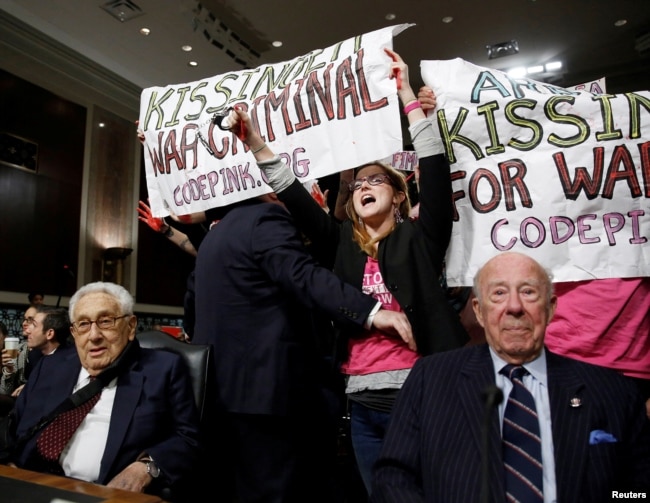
(386, 254)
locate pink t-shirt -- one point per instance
(376, 351)
(605, 322)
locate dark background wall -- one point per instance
(40, 205)
(162, 267)
(39, 209)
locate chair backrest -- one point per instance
(198, 358)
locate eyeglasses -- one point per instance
(376, 179)
(103, 323)
(29, 321)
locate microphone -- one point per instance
(492, 396)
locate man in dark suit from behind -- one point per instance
(594, 432)
(256, 287)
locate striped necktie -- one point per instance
(522, 448)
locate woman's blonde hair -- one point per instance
(360, 235)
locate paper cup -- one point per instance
(11, 345)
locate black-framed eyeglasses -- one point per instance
(29, 321)
(103, 323)
(376, 179)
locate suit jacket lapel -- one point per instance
(478, 374)
(127, 396)
(570, 425)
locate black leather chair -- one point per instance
(199, 362)
(198, 358)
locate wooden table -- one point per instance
(24, 486)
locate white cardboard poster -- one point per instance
(323, 112)
(558, 174)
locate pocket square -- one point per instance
(601, 437)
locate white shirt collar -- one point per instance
(536, 367)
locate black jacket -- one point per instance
(411, 258)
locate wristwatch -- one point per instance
(152, 467)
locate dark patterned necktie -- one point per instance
(58, 433)
(522, 447)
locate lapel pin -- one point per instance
(575, 402)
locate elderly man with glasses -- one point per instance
(141, 429)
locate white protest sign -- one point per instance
(323, 112)
(563, 176)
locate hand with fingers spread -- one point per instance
(145, 215)
(175, 236)
(319, 196)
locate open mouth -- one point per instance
(367, 199)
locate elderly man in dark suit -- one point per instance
(142, 433)
(256, 286)
(592, 439)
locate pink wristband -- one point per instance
(411, 106)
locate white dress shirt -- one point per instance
(82, 457)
